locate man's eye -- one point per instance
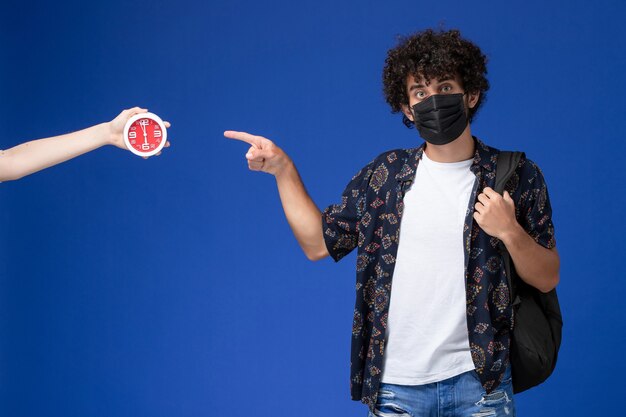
(420, 94)
(446, 88)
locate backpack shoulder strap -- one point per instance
(505, 167)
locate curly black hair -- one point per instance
(434, 55)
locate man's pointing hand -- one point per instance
(263, 155)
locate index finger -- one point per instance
(490, 192)
(245, 137)
(136, 110)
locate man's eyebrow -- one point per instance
(440, 81)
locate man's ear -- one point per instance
(472, 99)
(407, 112)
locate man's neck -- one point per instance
(460, 149)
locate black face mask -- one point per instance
(441, 118)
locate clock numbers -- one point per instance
(145, 135)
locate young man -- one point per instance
(30, 157)
(436, 341)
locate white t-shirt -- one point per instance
(427, 339)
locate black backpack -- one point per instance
(537, 317)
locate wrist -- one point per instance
(513, 234)
(284, 169)
(104, 134)
(98, 135)
(110, 136)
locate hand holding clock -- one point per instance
(119, 127)
(36, 155)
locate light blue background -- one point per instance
(174, 287)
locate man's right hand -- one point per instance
(302, 214)
(263, 155)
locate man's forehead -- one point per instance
(421, 80)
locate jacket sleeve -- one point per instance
(340, 221)
(534, 209)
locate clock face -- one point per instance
(145, 134)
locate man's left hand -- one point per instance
(495, 214)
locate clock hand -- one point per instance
(145, 145)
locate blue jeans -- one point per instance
(459, 396)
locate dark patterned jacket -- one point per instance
(369, 218)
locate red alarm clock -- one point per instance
(145, 134)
